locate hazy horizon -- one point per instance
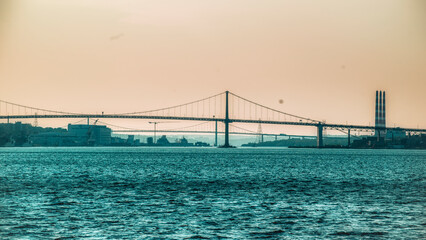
(324, 59)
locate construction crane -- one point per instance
(90, 140)
(155, 130)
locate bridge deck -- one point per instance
(313, 124)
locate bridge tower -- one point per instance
(226, 145)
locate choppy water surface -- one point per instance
(177, 193)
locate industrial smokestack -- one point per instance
(380, 110)
(377, 110)
(384, 109)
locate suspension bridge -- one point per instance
(225, 107)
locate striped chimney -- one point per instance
(384, 109)
(380, 110)
(377, 110)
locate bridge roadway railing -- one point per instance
(326, 125)
(313, 124)
(110, 116)
(202, 131)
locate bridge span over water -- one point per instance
(225, 107)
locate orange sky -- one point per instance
(325, 59)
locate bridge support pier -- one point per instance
(215, 134)
(349, 137)
(320, 143)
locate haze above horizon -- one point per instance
(318, 59)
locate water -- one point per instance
(178, 193)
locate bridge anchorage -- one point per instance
(225, 108)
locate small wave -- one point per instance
(125, 201)
(26, 226)
(197, 237)
(213, 223)
(358, 234)
(62, 203)
(269, 234)
(60, 238)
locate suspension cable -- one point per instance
(39, 109)
(271, 109)
(176, 106)
(180, 128)
(112, 125)
(240, 128)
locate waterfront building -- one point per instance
(90, 134)
(395, 134)
(53, 139)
